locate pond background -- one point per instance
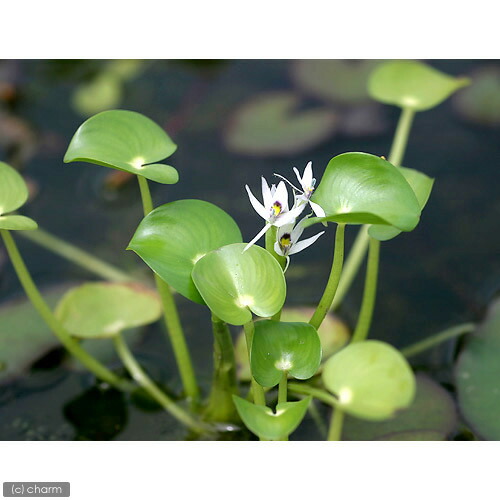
(443, 273)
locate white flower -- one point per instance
(275, 208)
(287, 239)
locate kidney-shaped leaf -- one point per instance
(234, 283)
(99, 310)
(263, 422)
(173, 237)
(127, 141)
(422, 187)
(279, 346)
(13, 190)
(371, 380)
(412, 84)
(360, 188)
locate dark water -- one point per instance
(442, 273)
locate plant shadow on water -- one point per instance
(444, 272)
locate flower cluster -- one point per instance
(275, 211)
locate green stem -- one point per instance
(270, 240)
(369, 294)
(336, 423)
(282, 388)
(319, 394)
(220, 405)
(76, 255)
(45, 312)
(259, 397)
(358, 251)
(333, 281)
(152, 389)
(438, 338)
(171, 317)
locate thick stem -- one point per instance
(76, 255)
(259, 397)
(438, 338)
(358, 251)
(270, 240)
(152, 389)
(336, 422)
(319, 394)
(333, 281)
(369, 294)
(224, 384)
(171, 317)
(45, 312)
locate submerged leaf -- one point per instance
(173, 237)
(412, 85)
(127, 141)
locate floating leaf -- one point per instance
(13, 189)
(271, 124)
(432, 416)
(336, 80)
(422, 187)
(371, 380)
(127, 141)
(263, 422)
(412, 85)
(234, 283)
(98, 310)
(360, 188)
(173, 237)
(17, 223)
(477, 377)
(278, 346)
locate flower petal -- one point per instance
(257, 205)
(277, 249)
(281, 195)
(290, 216)
(307, 178)
(298, 247)
(259, 234)
(266, 194)
(297, 173)
(317, 209)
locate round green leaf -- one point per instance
(371, 380)
(263, 422)
(173, 237)
(271, 124)
(412, 85)
(17, 222)
(13, 190)
(127, 141)
(422, 187)
(431, 416)
(279, 346)
(234, 283)
(99, 310)
(360, 188)
(477, 377)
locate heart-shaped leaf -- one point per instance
(422, 187)
(270, 124)
(173, 237)
(431, 416)
(99, 310)
(127, 141)
(371, 380)
(278, 346)
(360, 188)
(17, 223)
(412, 85)
(234, 283)
(13, 189)
(263, 422)
(477, 377)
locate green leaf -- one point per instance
(234, 283)
(431, 416)
(360, 188)
(271, 124)
(422, 187)
(477, 376)
(127, 141)
(412, 85)
(102, 93)
(263, 422)
(17, 222)
(279, 346)
(173, 237)
(13, 189)
(371, 380)
(99, 310)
